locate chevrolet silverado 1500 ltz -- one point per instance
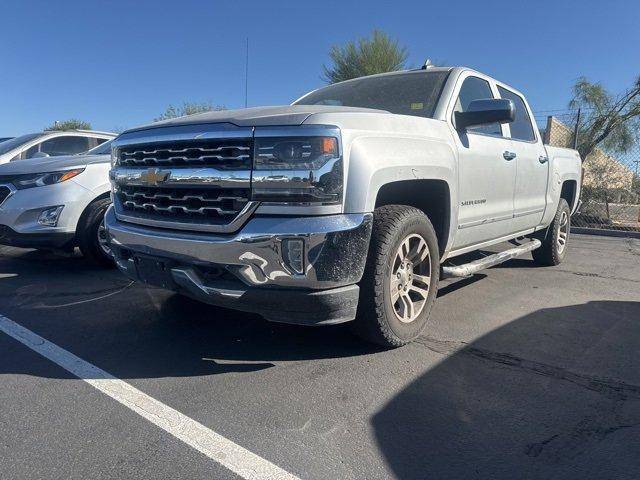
(348, 205)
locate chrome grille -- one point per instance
(212, 206)
(222, 154)
(188, 177)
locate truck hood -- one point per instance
(50, 164)
(287, 115)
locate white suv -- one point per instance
(51, 144)
(57, 203)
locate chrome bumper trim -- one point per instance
(230, 227)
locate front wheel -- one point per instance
(92, 234)
(556, 238)
(400, 281)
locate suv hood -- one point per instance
(50, 164)
(287, 115)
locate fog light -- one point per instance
(49, 217)
(293, 254)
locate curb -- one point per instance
(605, 232)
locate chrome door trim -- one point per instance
(528, 212)
(484, 221)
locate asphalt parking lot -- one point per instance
(523, 373)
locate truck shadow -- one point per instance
(554, 394)
(137, 332)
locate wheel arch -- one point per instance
(568, 191)
(431, 196)
(83, 216)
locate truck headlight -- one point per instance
(43, 179)
(304, 153)
(297, 170)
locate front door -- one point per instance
(486, 173)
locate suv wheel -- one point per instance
(400, 280)
(556, 238)
(92, 235)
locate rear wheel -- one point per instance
(556, 238)
(400, 280)
(92, 238)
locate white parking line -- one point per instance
(239, 460)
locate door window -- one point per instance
(31, 151)
(521, 127)
(474, 88)
(65, 145)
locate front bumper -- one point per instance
(20, 211)
(55, 240)
(247, 270)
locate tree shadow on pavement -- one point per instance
(554, 394)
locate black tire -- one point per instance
(87, 233)
(552, 252)
(377, 320)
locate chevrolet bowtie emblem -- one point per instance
(154, 176)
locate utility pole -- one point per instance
(246, 76)
(575, 132)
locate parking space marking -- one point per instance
(239, 460)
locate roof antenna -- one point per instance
(427, 64)
(246, 76)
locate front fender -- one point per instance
(375, 161)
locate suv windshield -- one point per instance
(102, 149)
(9, 145)
(409, 93)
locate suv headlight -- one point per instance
(43, 179)
(298, 170)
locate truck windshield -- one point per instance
(409, 93)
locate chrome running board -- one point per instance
(468, 269)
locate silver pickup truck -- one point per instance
(348, 205)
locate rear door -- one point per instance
(532, 164)
(486, 172)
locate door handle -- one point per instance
(509, 155)
(543, 159)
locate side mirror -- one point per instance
(40, 155)
(482, 112)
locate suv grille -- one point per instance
(221, 154)
(211, 206)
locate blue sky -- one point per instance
(119, 64)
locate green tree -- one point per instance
(606, 121)
(367, 56)
(71, 124)
(188, 108)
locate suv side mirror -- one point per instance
(40, 155)
(482, 112)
